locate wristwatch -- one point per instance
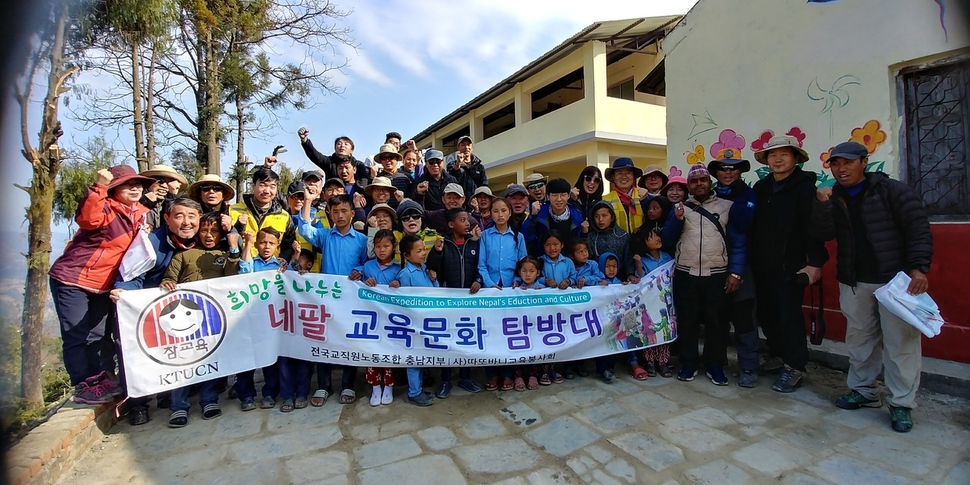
(737, 276)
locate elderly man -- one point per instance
(881, 229)
(653, 180)
(738, 307)
(535, 183)
(624, 196)
(168, 184)
(430, 188)
(709, 261)
(466, 167)
(784, 256)
(177, 234)
(389, 159)
(518, 197)
(453, 198)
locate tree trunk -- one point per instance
(213, 97)
(46, 162)
(136, 95)
(240, 141)
(150, 108)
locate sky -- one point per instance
(415, 63)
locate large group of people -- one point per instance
(742, 255)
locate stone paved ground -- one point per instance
(583, 431)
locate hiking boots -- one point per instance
(748, 379)
(902, 418)
(788, 380)
(855, 400)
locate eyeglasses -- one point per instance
(410, 217)
(535, 185)
(728, 168)
(210, 188)
(591, 178)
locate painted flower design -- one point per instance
(870, 135)
(798, 134)
(675, 172)
(727, 139)
(762, 140)
(697, 156)
(824, 157)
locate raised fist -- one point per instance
(104, 177)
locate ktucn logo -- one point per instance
(181, 328)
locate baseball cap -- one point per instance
(454, 189)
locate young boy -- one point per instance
(414, 273)
(587, 270)
(381, 270)
(610, 266)
(455, 261)
(343, 250)
(267, 240)
(212, 260)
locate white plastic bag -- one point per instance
(139, 258)
(920, 311)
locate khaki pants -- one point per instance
(870, 330)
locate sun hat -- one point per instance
(651, 169)
(165, 171)
(533, 178)
(385, 149)
(698, 170)
(674, 179)
(849, 150)
(123, 173)
(728, 159)
(383, 207)
(454, 188)
(195, 190)
(622, 162)
(483, 190)
(382, 182)
(781, 141)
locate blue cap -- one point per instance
(432, 154)
(849, 150)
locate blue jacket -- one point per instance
(412, 275)
(559, 270)
(650, 264)
(164, 251)
(341, 252)
(591, 271)
(499, 253)
(384, 276)
(602, 266)
(257, 264)
(741, 215)
(536, 227)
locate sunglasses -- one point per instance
(591, 178)
(298, 196)
(161, 180)
(387, 158)
(434, 162)
(410, 217)
(536, 185)
(728, 168)
(210, 188)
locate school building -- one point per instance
(595, 97)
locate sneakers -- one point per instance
(104, 379)
(855, 400)
(247, 403)
(96, 394)
(387, 396)
(902, 419)
(469, 385)
(138, 415)
(788, 380)
(716, 374)
(211, 411)
(608, 376)
(748, 379)
(771, 364)
(687, 373)
(422, 400)
(444, 390)
(179, 419)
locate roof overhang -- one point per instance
(631, 35)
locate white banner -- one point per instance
(223, 326)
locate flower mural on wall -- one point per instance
(675, 172)
(728, 139)
(870, 135)
(824, 157)
(759, 144)
(797, 134)
(696, 156)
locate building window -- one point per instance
(654, 83)
(937, 104)
(561, 92)
(501, 120)
(623, 90)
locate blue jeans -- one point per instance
(414, 382)
(294, 377)
(207, 395)
(246, 382)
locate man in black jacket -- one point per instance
(466, 167)
(881, 228)
(784, 257)
(429, 188)
(341, 146)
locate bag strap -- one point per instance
(707, 215)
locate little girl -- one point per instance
(414, 273)
(527, 271)
(381, 270)
(647, 257)
(500, 248)
(587, 271)
(557, 271)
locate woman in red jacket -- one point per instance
(108, 218)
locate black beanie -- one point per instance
(558, 186)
